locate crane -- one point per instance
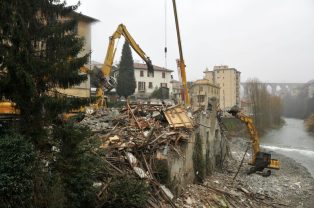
(260, 160)
(181, 62)
(110, 83)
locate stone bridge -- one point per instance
(279, 88)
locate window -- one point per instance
(141, 73)
(200, 88)
(141, 86)
(150, 85)
(150, 74)
(163, 84)
(163, 74)
(200, 98)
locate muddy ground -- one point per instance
(291, 186)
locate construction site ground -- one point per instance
(291, 186)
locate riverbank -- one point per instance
(291, 186)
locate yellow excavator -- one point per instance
(260, 160)
(110, 82)
(9, 110)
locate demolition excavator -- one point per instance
(9, 110)
(110, 82)
(260, 160)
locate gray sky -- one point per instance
(272, 40)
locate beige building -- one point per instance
(83, 30)
(228, 79)
(201, 93)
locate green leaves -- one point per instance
(16, 171)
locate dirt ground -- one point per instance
(291, 186)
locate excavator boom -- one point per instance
(260, 160)
(111, 50)
(181, 61)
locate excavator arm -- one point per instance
(260, 160)
(111, 50)
(252, 132)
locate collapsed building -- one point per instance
(158, 144)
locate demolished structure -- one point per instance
(157, 144)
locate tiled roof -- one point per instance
(156, 68)
(204, 81)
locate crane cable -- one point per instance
(165, 50)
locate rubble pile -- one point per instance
(220, 190)
(291, 186)
(133, 137)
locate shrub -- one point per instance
(16, 171)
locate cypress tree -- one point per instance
(126, 79)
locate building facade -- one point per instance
(176, 91)
(228, 79)
(147, 82)
(202, 92)
(83, 30)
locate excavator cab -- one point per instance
(263, 160)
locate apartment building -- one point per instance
(147, 82)
(176, 90)
(228, 79)
(202, 92)
(83, 30)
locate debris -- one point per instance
(178, 117)
(138, 135)
(167, 191)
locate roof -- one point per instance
(204, 82)
(219, 68)
(156, 68)
(84, 18)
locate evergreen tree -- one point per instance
(39, 50)
(16, 171)
(126, 79)
(39, 53)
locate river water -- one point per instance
(293, 141)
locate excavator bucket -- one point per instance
(150, 66)
(234, 110)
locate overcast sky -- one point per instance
(272, 40)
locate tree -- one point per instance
(160, 93)
(267, 108)
(77, 165)
(39, 52)
(126, 79)
(16, 171)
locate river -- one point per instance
(293, 141)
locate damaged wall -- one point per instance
(180, 163)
